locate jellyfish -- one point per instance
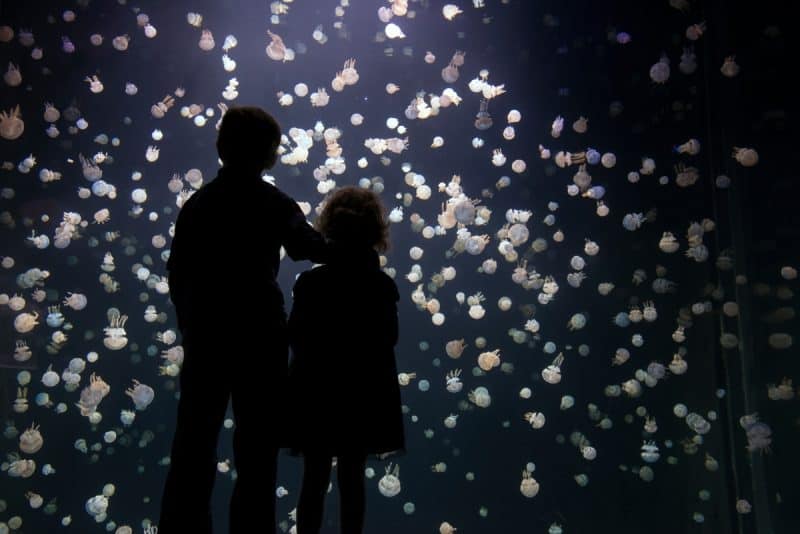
(116, 337)
(141, 394)
(337, 84)
(650, 452)
(489, 360)
(92, 395)
(480, 397)
(25, 322)
(450, 73)
(11, 124)
(695, 31)
(21, 468)
(529, 487)
(393, 31)
(396, 145)
(95, 85)
(31, 440)
(565, 159)
(206, 41)
(12, 77)
(349, 73)
(465, 211)
(483, 121)
(455, 348)
(389, 484)
(159, 109)
(517, 234)
(747, 157)
(659, 72)
(276, 50)
(498, 158)
(758, 433)
(552, 373)
(449, 11)
(536, 419)
(97, 506)
(576, 322)
(320, 98)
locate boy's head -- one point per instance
(248, 138)
(354, 217)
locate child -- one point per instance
(343, 390)
(232, 226)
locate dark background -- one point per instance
(555, 58)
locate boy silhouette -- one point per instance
(222, 268)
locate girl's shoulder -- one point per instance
(389, 285)
(326, 276)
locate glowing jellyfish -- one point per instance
(552, 373)
(11, 124)
(139, 196)
(449, 11)
(50, 378)
(649, 452)
(747, 157)
(389, 484)
(31, 440)
(529, 487)
(97, 506)
(577, 322)
(276, 50)
(141, 394)
(393, 31)
(480, 397)
(489, 360)
(659, 72)
(25, 322)
(206, 42)
(455, 348)
(535, 419)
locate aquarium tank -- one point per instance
(594, 232)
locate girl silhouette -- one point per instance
(343, 388)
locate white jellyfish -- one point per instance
(529, 487)
(141, 394)
(393, 31)
(389, 484)
(480, 397)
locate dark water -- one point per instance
(555, 58)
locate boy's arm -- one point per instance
(298, 323)
(301, 241)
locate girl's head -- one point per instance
(354, 217)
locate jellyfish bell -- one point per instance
(393, 31)
(483, 121)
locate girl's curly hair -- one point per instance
(354, 216)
